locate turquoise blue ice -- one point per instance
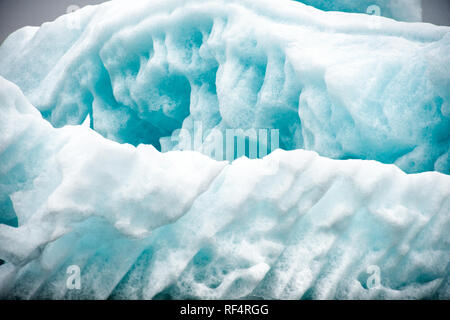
(98, 168)
(401, 10)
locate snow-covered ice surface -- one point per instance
(82, 181)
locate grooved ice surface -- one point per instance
(343, 85)
(142, 224)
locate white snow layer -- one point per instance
(142, 224)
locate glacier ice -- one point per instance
(343, 85)
(143, 224)
(89, 101)
(402, 10)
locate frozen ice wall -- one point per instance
(89, 101)
(344, 85)
(142, 224)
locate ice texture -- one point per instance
(344, 85)
(402, 10)
(88, 101)
(142, 224)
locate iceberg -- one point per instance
(344, 85)
(102, 174)
(141, 224)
